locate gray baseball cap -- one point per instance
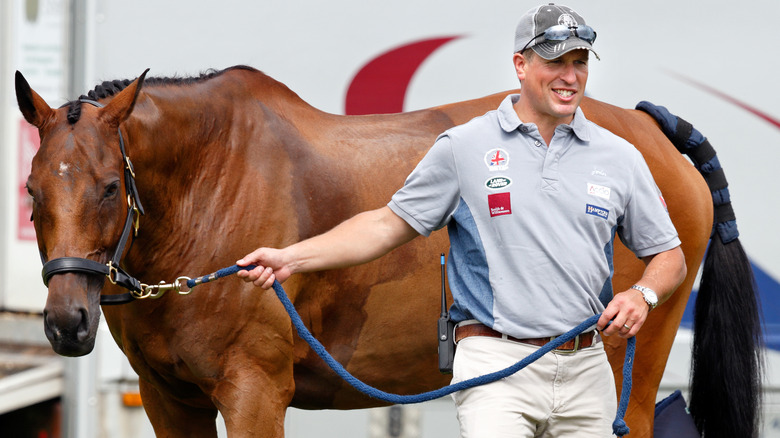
(560, 22)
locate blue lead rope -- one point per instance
(619, 426)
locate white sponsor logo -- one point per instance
(497, 159)
(600, 191)
(567, 20)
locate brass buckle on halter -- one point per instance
(129, 166)
(136, 215)
(112, 272)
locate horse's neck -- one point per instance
(195, 156)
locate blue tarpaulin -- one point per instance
(672, 419)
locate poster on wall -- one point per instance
(41, 47)
(28, 146)
(40, 54)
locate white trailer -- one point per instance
(711, 63)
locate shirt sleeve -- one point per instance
(646, 228)
(431, 193)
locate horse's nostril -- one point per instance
(82, 332)
(50, 328)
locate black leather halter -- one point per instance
(111, 270)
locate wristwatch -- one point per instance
(648, 294)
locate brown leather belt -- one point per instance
(583, 340)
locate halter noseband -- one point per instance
(111, 270)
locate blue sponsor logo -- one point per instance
(597, 211)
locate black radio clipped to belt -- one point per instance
(445, 331)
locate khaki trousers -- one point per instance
(560, 395)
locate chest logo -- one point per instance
(597, 211)
(600, 191)
(497, 159)
(498, 182)
(500, 204)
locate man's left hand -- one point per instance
(627, 311)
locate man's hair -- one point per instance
(528, 53)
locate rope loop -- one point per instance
(619, 426)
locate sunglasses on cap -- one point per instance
(563, 32)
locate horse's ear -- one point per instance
(120, 107)
(35, 110)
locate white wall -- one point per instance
(316, 47)
(647, 48)
(34, 41)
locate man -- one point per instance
(532, 194)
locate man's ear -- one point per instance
(521, 63)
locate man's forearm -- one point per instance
(664, 272)
(360, 239)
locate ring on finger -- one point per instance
(626, 326)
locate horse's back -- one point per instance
(390, 329)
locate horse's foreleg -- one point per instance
(171, 418)
(253, 402)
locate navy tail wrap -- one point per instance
(689, 141)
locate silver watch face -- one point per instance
(648, 294)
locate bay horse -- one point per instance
(232, 160)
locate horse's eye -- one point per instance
(111, 190)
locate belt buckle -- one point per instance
(567, 350)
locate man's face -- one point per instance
(552, 89)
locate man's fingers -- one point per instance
(251, 258)
(269, 283)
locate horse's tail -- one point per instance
(727, 354)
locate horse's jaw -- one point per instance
(71, 317)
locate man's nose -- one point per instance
(568, 73)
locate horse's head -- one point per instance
(79, 207)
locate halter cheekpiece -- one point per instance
(111, 270)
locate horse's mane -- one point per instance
(110, 88)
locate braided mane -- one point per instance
(110, 88)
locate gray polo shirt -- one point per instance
(532, 227)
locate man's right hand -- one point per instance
(269, 267)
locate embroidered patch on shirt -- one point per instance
(597, 211)
(498, 182)
(600, 191)
(497, 159)
(499, 204)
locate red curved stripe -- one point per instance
(380, 86)
(730, 99)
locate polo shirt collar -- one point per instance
(507, 118)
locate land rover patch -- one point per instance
(498, 182)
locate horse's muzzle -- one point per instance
(69, 334)
(70, 318)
